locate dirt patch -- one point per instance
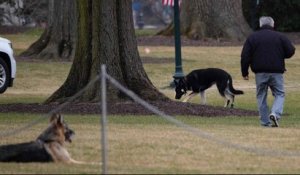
(169, 41)
(13, 29)
(131, 108)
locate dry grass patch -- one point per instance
(149, 144)
(169, 149)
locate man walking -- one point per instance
(265, 52)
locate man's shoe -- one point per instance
(274, 119)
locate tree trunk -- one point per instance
(106, 36)
(211, 19)
(57, 41)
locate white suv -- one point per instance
(7, 65)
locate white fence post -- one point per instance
(103, 121)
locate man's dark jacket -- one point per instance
(265, 50)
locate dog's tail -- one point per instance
(232, 90)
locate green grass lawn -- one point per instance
(150, 144)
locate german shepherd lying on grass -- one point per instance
(48, 147)
(199, 80)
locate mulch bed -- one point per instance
(130, 108)
(169, 41)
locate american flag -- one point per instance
(170, 2)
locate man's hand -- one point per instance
(246, 77)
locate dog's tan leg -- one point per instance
(189, 97)
(60, 154)
(83, 163)
(228, 100)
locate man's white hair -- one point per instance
(266, 20)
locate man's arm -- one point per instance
(289, 49)
(246, 59)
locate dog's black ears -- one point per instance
(178, 81)
(56, 118)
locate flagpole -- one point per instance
(178, 66)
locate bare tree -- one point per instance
(23, 13)
(106, 36)
(57, 41)
(211, 19)
(9, 12)
(35, 12)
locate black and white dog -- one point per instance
(199, 80)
